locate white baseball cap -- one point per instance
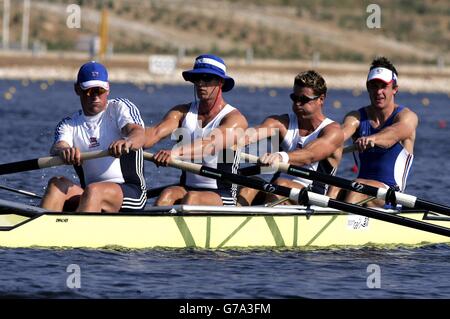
(382, 74)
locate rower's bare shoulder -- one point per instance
(177, 113)
(236, 118)
(334, 126)
(277, 121)
(333, 129)
(352, 115)
(181, 108)
(407, 115)
(408, 111)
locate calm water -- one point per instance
(27, 121)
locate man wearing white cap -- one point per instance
(108, 184)
(207, 127)
(383, 133)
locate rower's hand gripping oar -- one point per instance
(45, 162)
(354, 148)
(386, 194)
(302, 196)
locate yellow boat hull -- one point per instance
(216, 229)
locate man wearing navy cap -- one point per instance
(108, 184)
(383, 132)
(208, 125)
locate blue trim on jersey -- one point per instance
(133, 110)
(378, 163)
(58, 128)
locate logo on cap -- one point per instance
(93, 74)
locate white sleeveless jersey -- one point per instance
(195, 130)
(292, 141)
(92, 133)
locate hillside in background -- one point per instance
(411, 31)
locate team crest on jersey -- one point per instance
(93, 142)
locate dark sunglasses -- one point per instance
(205, 77)
(95, 91)
(303, 99)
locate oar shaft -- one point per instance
(20, 191)
(44, 162)
(21, 166)
(302, 196)
(434, 207)
(349, 149)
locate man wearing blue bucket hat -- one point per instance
(207, 126)
(109, 183)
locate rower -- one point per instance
(207, 127)
(383, 132)
(308, 138)
(106, 184)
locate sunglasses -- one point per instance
(94, 91)
(205, 77)
(303, 99)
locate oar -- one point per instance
(388, 195)
(353, 148)
(349, 149)
(20, 191)
(303, 196)
(44, 162)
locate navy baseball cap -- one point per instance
(93, 74)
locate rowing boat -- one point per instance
(210, 227)
(325, 222)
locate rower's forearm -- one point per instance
(137, 138)
(191, 151)
(304, 157)
(385, 139)
(155, 134)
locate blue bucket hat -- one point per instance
(211, 64)
(93, 74)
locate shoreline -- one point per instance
(258, 73)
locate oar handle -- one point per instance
(353, 148)
(191, 167)
(254, 159)
(44, 162)
(50, 161)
